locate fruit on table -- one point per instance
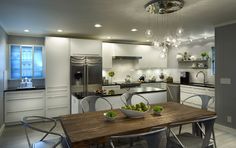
(111, 114)
(158, 108)
(141, 107)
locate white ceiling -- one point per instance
(77, 17)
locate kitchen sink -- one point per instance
(202, 84)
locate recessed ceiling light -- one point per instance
(26, 30)
(59, 30)
(205, 37)
(148, 40)
(97, 25)
(134, 30)
(108, 37)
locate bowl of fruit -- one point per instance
(135, 111)
(110, 115)
(157, 110)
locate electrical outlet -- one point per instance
(229, 119)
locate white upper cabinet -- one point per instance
(57, 61)
(57, 76)
(107, 53)
(85, 47)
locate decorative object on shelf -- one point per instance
(157, 110)
(186, 56)
(179, 57)
(154, 32)
(111, 74)
(193, 58)
(204, 55)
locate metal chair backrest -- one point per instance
(126, 98)
(205, 99)
(155, 138)
(28, 123)
(91, 102)
(208, 123)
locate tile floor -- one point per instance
(14, 137)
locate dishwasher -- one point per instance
(173, 92)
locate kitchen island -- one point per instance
(152, 94)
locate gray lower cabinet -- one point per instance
(24, 103)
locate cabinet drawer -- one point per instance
(24, 105)
(19, 95)
(17, 116)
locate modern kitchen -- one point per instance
(117, 73)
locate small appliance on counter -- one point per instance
(184, 77)
(142, 78)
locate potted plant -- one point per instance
(204, 55)
(157, 110)
(110, 115)
(111, 74)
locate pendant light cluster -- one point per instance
(160, 34)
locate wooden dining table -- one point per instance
(85, 129)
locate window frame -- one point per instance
(26, 45)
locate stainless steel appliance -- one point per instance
(85, 75)
(184, 77)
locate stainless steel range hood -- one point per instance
(127, 57)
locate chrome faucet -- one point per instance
(204, 76)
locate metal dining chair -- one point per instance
(205, 99)
(192, 140)
(126, 98)
(36, 123)
(155, 138)
(88, 103)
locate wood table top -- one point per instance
(91, 127)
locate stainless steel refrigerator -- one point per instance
(86, 75)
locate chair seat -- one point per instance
(46, 143)
(187, 139)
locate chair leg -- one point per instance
(214, 138)
(180, 129)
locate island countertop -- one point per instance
(138, 90)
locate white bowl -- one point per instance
(133, 113)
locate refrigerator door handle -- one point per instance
(85, 80)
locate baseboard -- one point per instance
(2, 129)
(225, 128)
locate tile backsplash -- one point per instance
(123, 68)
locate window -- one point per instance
(26, 61)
